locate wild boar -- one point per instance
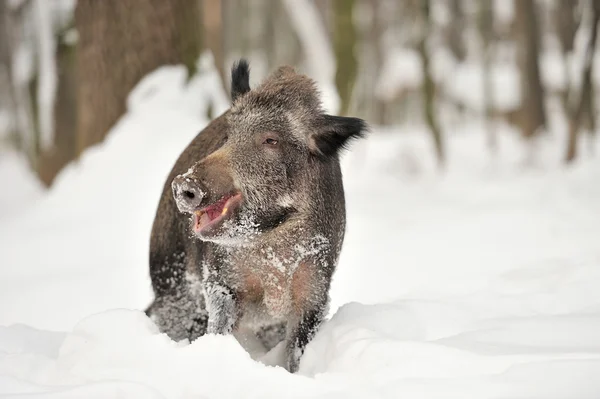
(252, 217)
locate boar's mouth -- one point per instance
(213, 215)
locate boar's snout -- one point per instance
(188, 193)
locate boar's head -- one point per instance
(279, 143)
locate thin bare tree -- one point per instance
(344, 43)
(455, 29)
(429, 85)
(567, 20)
(532, 115)
(584, 102)
(374, 38)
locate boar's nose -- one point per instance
(188, 193)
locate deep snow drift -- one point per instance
(479, 283)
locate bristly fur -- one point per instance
(240, 79)
(336, 134)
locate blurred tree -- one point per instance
(285, 43)
(318, 54)
(344, 42)
(22, 126)
(486, 29)
(584, 103)
(532, 116)
(6, 86)
(271, 33)
(212, 18)
(120, 41)
(456, 29)
(566, 20)
(374, 40)
(429, 85)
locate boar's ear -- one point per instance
(335, 133)
(240, 79)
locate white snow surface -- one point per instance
(481, 282)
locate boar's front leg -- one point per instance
(222, 307)
(301, 334)
(310, 287)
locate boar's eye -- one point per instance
(268, 139)
(271, 141)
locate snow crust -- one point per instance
(481, 282)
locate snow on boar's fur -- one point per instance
(251, 219)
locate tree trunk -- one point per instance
(533, 115)
(344, 41)
(429, 86)
(585, 100)
(567, 23)
(120, 41)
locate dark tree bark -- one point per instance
(533, 115)
(120, 41)
(584, 103)
(344, 41)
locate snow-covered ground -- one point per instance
(481, 282)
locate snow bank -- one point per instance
(478, 283)
(385, 351)
(124, 345)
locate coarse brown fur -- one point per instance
(263, 188)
